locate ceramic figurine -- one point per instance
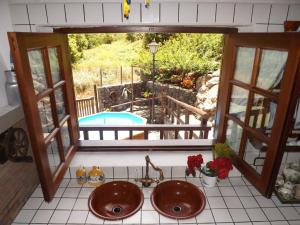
(96, 176)
(291, 175)
(289, 185)
(279, 181)
(81, 175)
(286, 193)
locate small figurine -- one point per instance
(81, 175)
(96, 176)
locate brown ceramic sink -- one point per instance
(116, 200)
(178, 199)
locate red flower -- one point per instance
(223, 173)
(222, 166)
(194, 161)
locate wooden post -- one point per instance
(132, 92)
(187, 121)
(101, 78)
(96, 98)
(121, 74)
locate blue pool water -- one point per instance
(112, 118)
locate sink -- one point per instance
(116, 200)
(178, 199)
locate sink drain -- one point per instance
(117, 210)
(176, 209)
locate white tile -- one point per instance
(213, 191)
(135, 172)
(224, 183)
(21, 28)
(81, 204)
(71, 192)
(221, 215)
(261, 13)
(135, 219)
(85, 192)
(78, 217)
(74, 183)
(147, 192)
(150, 14)
(150, 217)
(247, 182)
(278, 203)
(37, 13)
(261, 223)
(178, 171)
(261, 28)
(163, 219)
(120, 172)
(233, 202)
(113, 222)
(59, 192)
(60, 216)
(249, 202)
(108, 172)
(205, 217)
(42, 216)
(188, 12)
(188, 221)
(64, 183)
(206, 13)
(56, 13)
(66, 203)
(51, 205)
(33, 203)
(254, 191)
(112, 13)
(74, 13)
(196, 181)
(256, 214)
(242, 191)
(67, 174)
(135, 14)
(275, 28)
(234, 172)
(225, 13)
(239, 215)
(237, 181)
(19, 14)
(91, 219)
(147, 204)
(216, 202)
(93, 13)
(273, 214)
(294, 12)
(280, 223)
(169, 12)
(278, 13)
(264, 202)
(167, 170)
(242, 13)
(227, 191)
(289, 213)
(247, 223)
(25, 216)
(38, 193)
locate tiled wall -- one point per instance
(248, 16)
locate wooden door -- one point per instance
(46, 88)
(255, 95)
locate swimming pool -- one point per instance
(112, 118)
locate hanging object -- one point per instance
(126, 8)
(147, 3)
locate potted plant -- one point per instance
(216, 169)
(193, 163)
(222, 149)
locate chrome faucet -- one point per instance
(147, 181)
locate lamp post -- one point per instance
(153, 46)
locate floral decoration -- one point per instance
(193, 162)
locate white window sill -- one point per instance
(10, 115)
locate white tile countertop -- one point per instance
(234, 201)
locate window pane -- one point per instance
(53, 155)
(60, 103)
(271, 70)
(44, 107)
(294, 135)
(262, 114)
(65, 137)
(255, 153)
(238, 103)
(37, 70)
(234, 135)
(244, 64)
(54, 64)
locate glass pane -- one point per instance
(255, 153)
(234, 135)
(37, 70)
(262, 114)
(65, 137)
(44, 107)
(294, 136)
(53, 155)
(54, 64)
(60, 103)
(238, 102)
(271, 70)
(244, 64)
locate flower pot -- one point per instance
(209, 181)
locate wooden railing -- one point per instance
(85, 106)
(203, 131)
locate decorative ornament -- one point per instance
(147, 3)
(126, 8)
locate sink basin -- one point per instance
(178, 199)
(116, 200)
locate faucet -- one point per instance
(147, 181)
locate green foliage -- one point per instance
(222, 150)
